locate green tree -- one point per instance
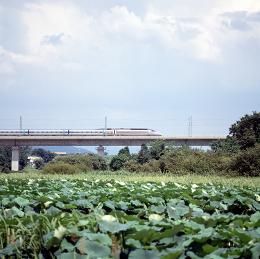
(124, 152)
(227, 146)
(39, 164)
(60, 168)
(157, 149)
(117, 162)
(5, 159)
(247, 162)
(46, 155)
(84, 162)
(23, 159)
(143, 155)
(98, 162)
(6, 155)
(247, 130)
(120, 159)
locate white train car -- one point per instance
(94, 132)
(88, 132)
(13, 132)
(47, 132)
(136, 132)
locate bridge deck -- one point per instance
(65, 140)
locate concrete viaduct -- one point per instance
(100, 141)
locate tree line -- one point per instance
(6, 156)
(239, 154)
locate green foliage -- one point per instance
(143, 155)
(152, 166)
(84, 163)
(132, 166)
(46, 155)
(244, 135)
(228, 146)
(247, 162)
(182, 160)
(6, 155)
(42, 218)
(23, 158)
(5, 159)
(39, 164)
(247, 130)
(60, 168)
(117, 162)
(124, 152)
(194, 161)
(157, 149)
(98, 162)
(75, 163)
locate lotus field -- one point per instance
(41, 218)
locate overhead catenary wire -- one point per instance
(166, 125)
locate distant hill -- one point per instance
(67, 149)
(81, 150)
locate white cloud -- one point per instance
(55, 39)
(119, 20)
(119, 60)
(60, 33)
(6, 68)
(66, 36)
(45, 19)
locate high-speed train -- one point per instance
(88, 132)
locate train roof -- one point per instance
(127, 129)
(19, 130)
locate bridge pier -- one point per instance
(15, 159)
(101, 151)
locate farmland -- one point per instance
(86, 216)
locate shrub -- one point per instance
(98, 162)
(39, 164)
(193, 161)
(124, 151)
(132, 166)
(84, 163)
(153, 166)
(228, 146)
(247, 130)
(5, 158)
(60, 168)
(175, 160)
(46, 155)
(143, 155)
(116, 163)
(157, 149)
(247, 162)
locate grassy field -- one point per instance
(106, 214)
(253, 182)
(83, 218)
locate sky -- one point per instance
(153, 64)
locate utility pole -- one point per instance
(190, 126)
(105, 131)
(21, 122)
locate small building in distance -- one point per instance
(32, 160)
(60, 153)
